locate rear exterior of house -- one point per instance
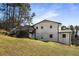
(47, 30)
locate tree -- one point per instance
(72, 34)
(63, 28)
(26, 16)
(72, 28)
(76, 28)
(16, 14)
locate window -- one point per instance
(36, 27)
(41, 27)
(51, 35)
(64, 36)
(41, 37)
(50, 26)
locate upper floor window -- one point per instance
(36, 27)
(41, 27)
(51, 35)
(50, 26)
(63, 35)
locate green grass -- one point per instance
(29, 47)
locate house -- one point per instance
(47, 30)
(22, 31)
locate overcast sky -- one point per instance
(61, 12)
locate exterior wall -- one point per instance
(30, 35)
(43, 34)
(66, 40)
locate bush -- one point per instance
(4, 33)
(36, 39)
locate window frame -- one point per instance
(50, 35)
(50, 26)
(42, 37)
(63, 35)
(37, 27)
(42, 27)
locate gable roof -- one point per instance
(48, 21)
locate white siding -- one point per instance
(46, 31)
(66, 40)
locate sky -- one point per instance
(65, 13)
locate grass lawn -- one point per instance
(24, 46)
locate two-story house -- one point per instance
(47, 30)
